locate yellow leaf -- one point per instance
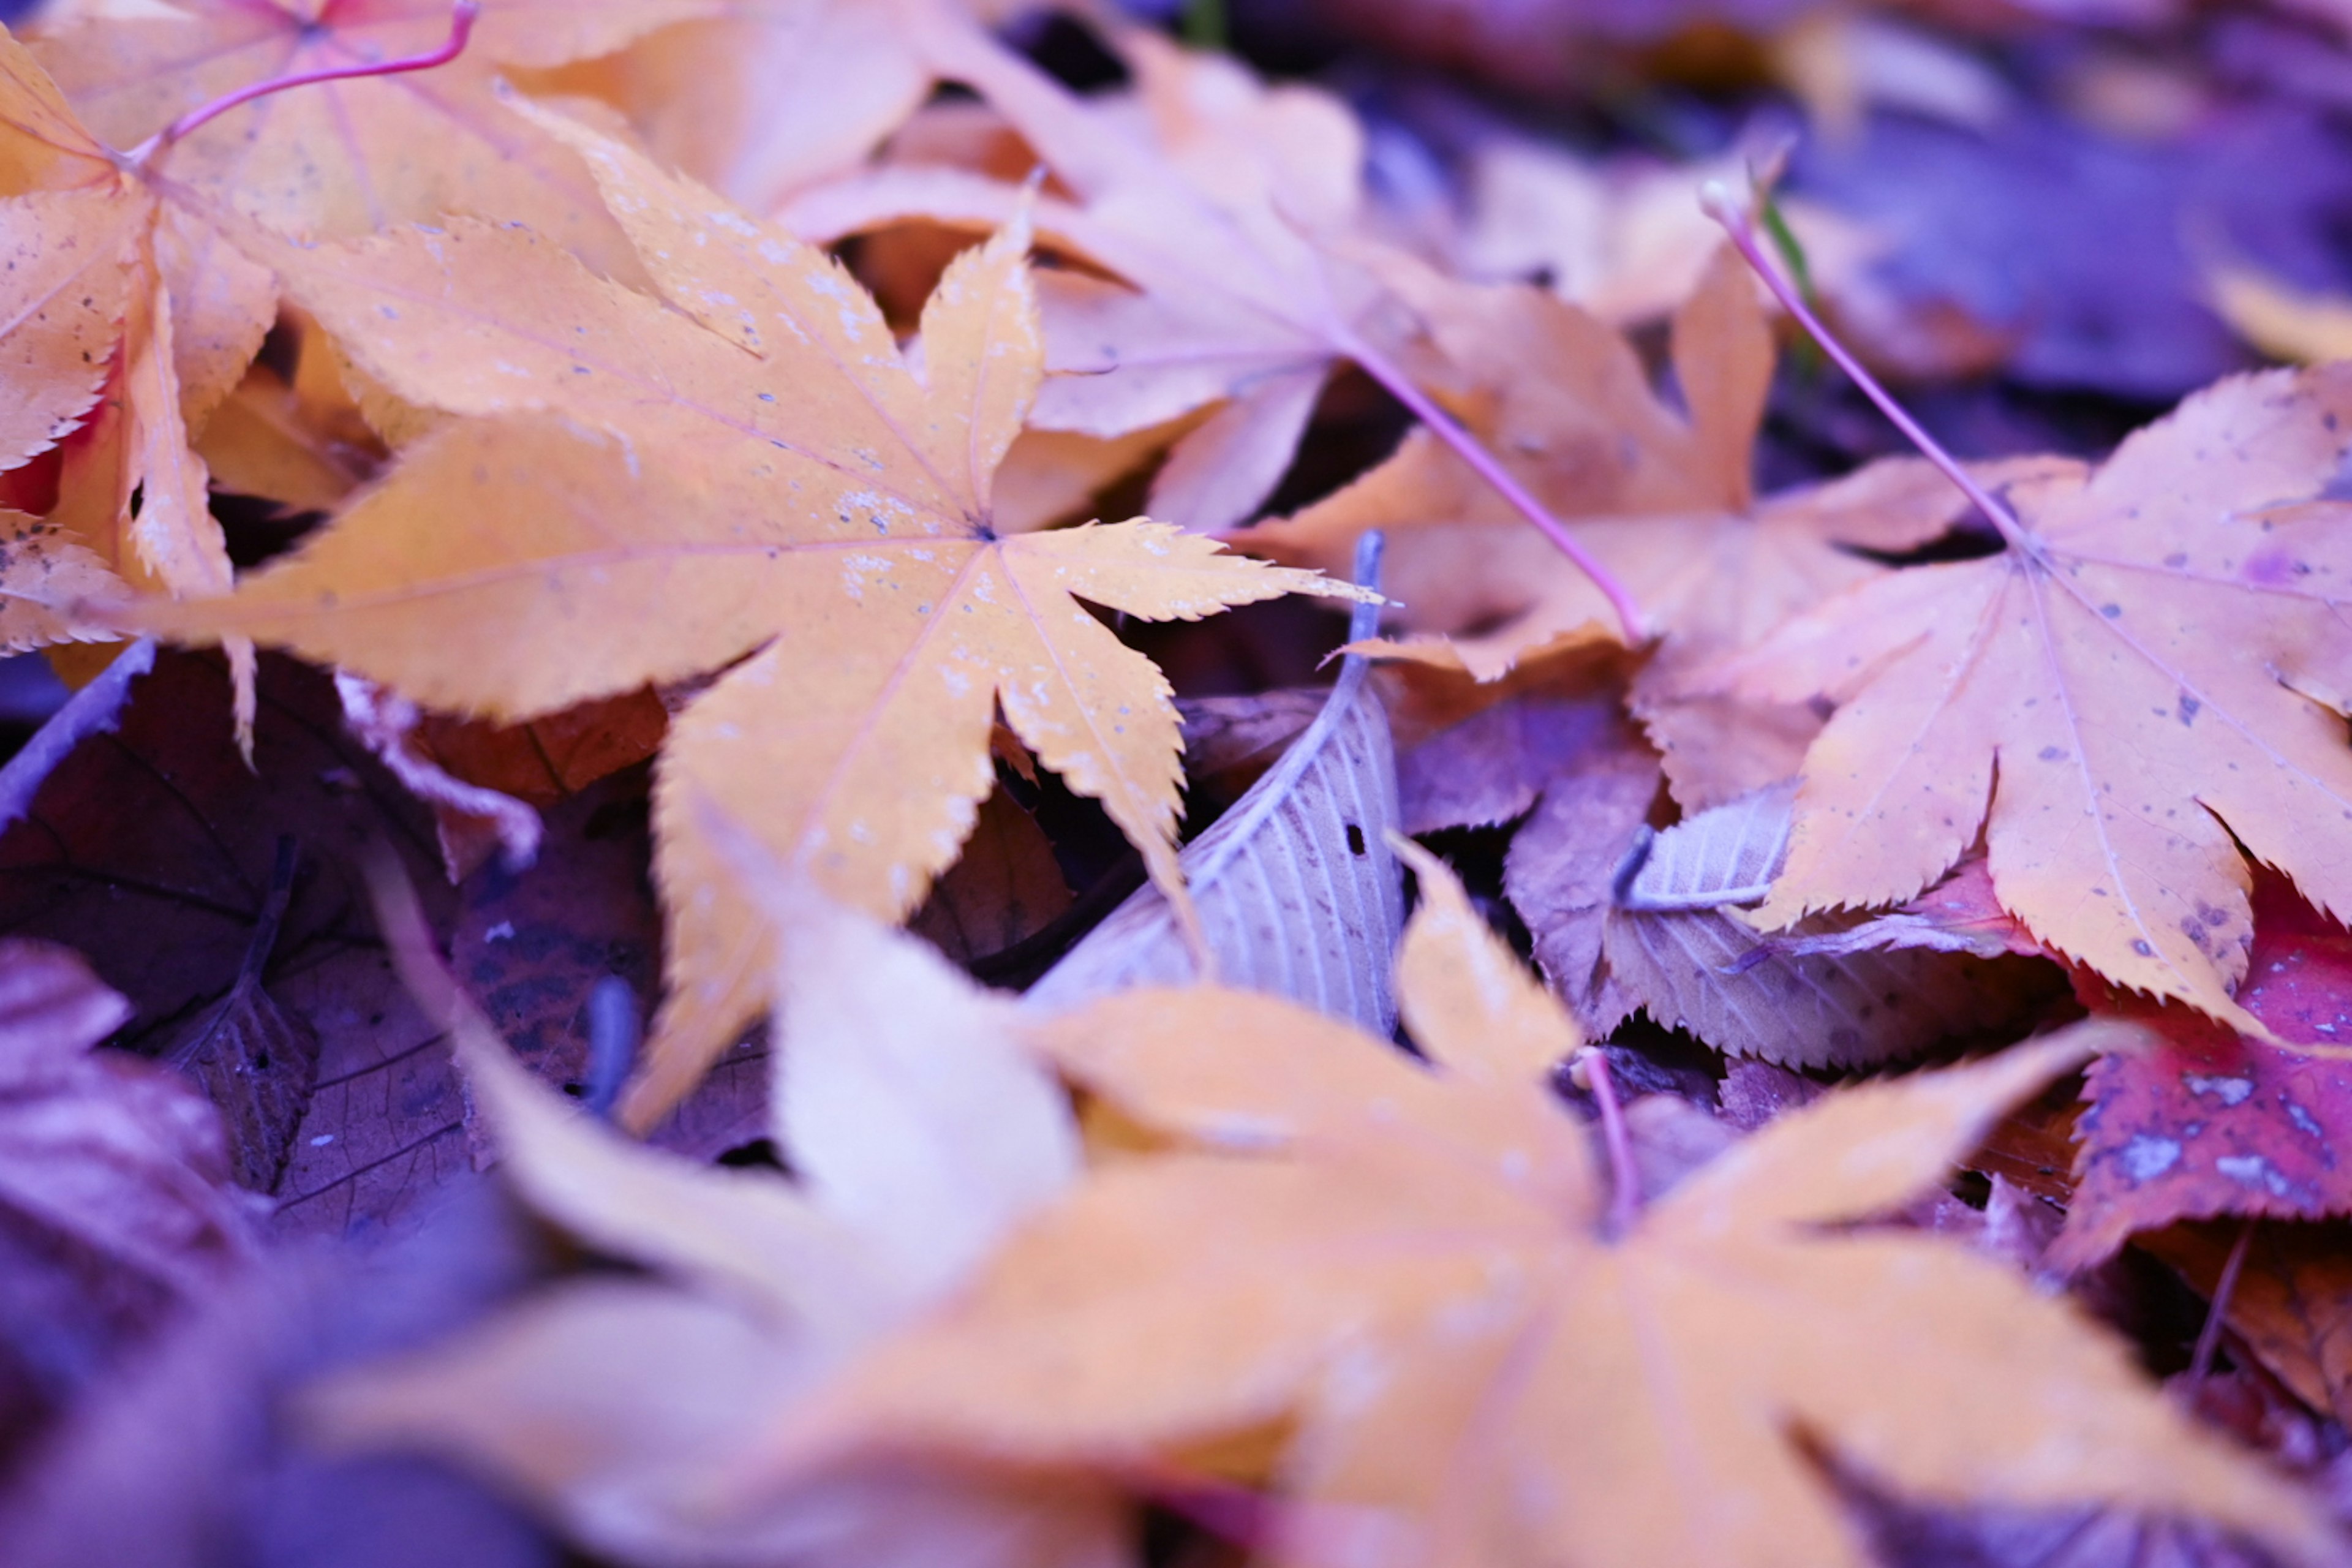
(750, 469)
(2153, 677)
(1408, 1264)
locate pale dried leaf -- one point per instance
(1727, 856)
(1298, 891)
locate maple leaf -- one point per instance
(1214, 197)
(2152, 667)
(1625, 238)
(121, 288)
(774, 475)
(1407, 1262)
(345, 157)
(2211, 1121)
(918, 1130)
(763, 97)
(1664, 500)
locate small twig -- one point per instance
(1489, 467)
(2209, 1339)
(1736, 223)
(462, 17)
(1624, 1176)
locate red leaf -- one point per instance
(2217, 1123)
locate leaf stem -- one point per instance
(1737, 223)
(1624, 1176)
(1489, 467)
(462, 15)
(2209, 1338)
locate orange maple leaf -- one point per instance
(343, 158)
(1216, 199)
(2151, 674)
(1407, 1265)
(763, 97)
(918, 1130)
(749, 465)
(127, 311)
(1663, 498)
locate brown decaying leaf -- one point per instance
(552, 757)
(1406, 1262)
(1005, 886)
(1551, 735)
(2291, 1303)
(920, 1133)
(254, 1060)
(1476, 752)
(2210, 1122)
(2154, 670)
(771, 468)
(532, 947)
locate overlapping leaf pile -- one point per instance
(777, 425)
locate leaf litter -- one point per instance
(1866, 1012)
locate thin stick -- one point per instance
(1487, 467)
(1736, 223)
(2209, 1339)
(1624, 1176)
(461, 30)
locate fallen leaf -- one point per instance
(470, 821)
(1664, 500)
(127, 287)
(762, 97)
(772, 459)
(254, 1060)
(1004, 888)
(2291, 1303)
(1959, 914)
(532, 946)
(920, 1131)
(341, 159)
(2210, 1122)
(1550, 741)
(116, 1207)
(1678, 946)
(1406, 1262)
(1216, 199)
(1625, 239)
(1473, 752)
(554, 757)
(2283, 321)
(2152, 663)
(1297, 892)
(185, 1450)
(1247, 734)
